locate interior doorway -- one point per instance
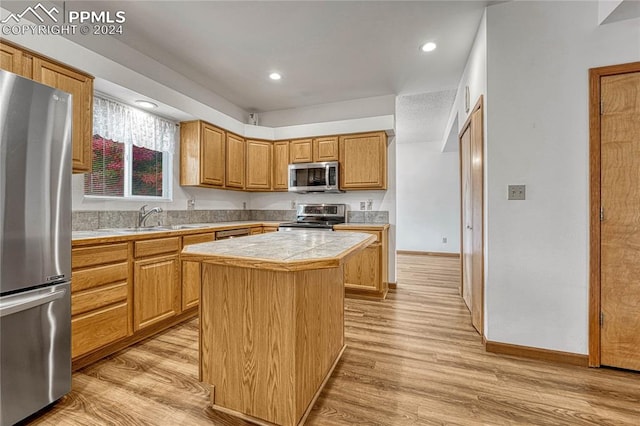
(614, 126)
(471, 141)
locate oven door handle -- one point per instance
(29, 302)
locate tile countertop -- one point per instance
(128, 234)
(282, 251)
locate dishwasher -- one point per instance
(232, 233)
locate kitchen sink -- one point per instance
(149, 229)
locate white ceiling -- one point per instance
(327, 51)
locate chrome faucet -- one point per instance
(143, 214)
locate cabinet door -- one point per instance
(235, 161)
(280, 165)
(156, 290)
(191, 272)
(300, 151)
(11, 59)
(258, 165)
(325, 149)
(363, 269)
(363, 161)
(212, 155)
(81, 87)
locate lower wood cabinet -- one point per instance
(191, 272)
(100, 297)
(156, 281)
(156, 290)
(366, 273)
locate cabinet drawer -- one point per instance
(198, 238)
(98, 297)
(157, 246)
(98, 255)
(255, 231)
(95, 329)
(94, 277)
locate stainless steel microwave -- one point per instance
(314, 177)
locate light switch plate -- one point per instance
(362, 205)
(517, 192)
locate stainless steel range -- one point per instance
(319, 217)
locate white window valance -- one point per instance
(122, 123)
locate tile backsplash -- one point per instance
(90, 220)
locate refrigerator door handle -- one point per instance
(16, 306)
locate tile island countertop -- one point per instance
(281, 251)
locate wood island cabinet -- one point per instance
(258, 165)
(235, 164)
(100, 297)
(202, 154)
(156, 281)
(36, 67)
(366, 273)
(363, 161)
(280, 177)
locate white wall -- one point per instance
(428, 190)
(539, 54)
(475, 77)
(357, 108)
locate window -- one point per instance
(131, 153)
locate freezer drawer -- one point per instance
(35, 350)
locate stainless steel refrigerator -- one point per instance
(35, 246)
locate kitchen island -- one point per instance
(272, 320)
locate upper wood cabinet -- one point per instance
(258, 165)
(202, 154)
(300, 151)
(54, 74)
(325, 149)
(363, 161)
(280, 166)
(314, 150)
(235, 164)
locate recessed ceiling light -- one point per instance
(275, 76)
(428, 47)
(146, 104)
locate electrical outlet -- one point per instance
(244, 205)
(191, 203)
(362, 205)
(369, 204)
(517, 192)
(444, 240)
(293, 204)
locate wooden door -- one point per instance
(620, 220)
(212, 155)
(280, 163)
(81, 87)
(235, 165)
(258, 165)
(325, 149)
(472, 235)
(467, 216)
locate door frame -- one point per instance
(595, 171)
(479, 105)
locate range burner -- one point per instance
(317, 217)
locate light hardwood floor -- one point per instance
(413, 359)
